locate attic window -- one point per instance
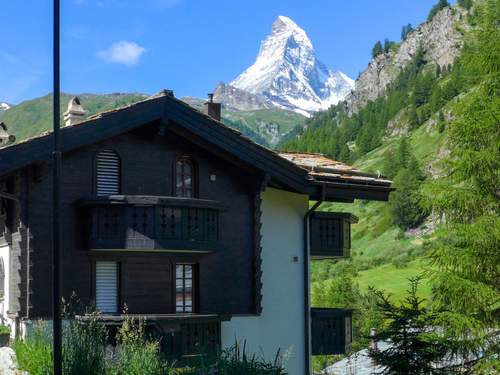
(108, 174)
(184, 178)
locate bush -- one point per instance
(136, 355)
(35, 353)
(84, 347)
(4, 330)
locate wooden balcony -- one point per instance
(331, 331)
(182, 336)
(331, 234)
(153, 223)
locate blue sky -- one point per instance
(184, 45)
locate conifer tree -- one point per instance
(415, 347)
(377, 49)
(466, 254)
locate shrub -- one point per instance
(84, 347)
(35, 353)
(4, 330)
(136, 355)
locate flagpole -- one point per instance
(56, 199)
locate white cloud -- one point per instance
(123, 52)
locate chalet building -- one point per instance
(194, 227)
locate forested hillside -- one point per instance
(407, 134)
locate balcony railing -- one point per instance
(152, 223)
(331, 234)
(181, 336)
(331, 331)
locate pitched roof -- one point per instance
(287, 170)
(322, 168)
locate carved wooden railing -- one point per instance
(151, 222)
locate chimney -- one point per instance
(213, 109)
(75, 112)
(5, 137)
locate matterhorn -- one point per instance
(287, 75)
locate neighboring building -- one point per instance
(184, 220)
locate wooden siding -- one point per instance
(146, 278)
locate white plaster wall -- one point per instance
(4, 304)
(281, 324)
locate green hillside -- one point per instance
(33, 117)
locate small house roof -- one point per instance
(298, 172)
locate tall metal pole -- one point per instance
(56, 200)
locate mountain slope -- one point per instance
(287, 74)
(33, 117)
(413, 97)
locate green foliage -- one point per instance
(136, 355)
(377, 49)
(466, 253)
(406, 30)
(4, 330)
(84, 347)
(416, 347)
(436, 8)
(35, 353)
(466, 4)
(405, 201)
(84, 353)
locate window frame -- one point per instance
(194, 289)
(194, 177)
(120, 170)
(119, 299)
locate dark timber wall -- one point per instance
(226, 278)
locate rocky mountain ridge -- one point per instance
(441, 40)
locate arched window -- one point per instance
(184, 178)
(107, 179)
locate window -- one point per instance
(106, 286)
(184, 178)
(108, 167)
(184, 288)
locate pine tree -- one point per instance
(466, 254)
(405, 202)
(377, 49)
(415, 348)
(405, 31)
(436, 8)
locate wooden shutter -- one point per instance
(106, 287)
(107, 173)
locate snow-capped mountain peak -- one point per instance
(4, 106)
(288, 74)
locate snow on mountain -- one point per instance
(287, 73)
(4, 106)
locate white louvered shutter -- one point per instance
(106, 287)
(108, 173)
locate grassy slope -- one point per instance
(33, 117)
(376, 243)
(395, 280)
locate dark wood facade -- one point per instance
(223, 246)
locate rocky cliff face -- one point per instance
(441, 41)
(240, 100)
